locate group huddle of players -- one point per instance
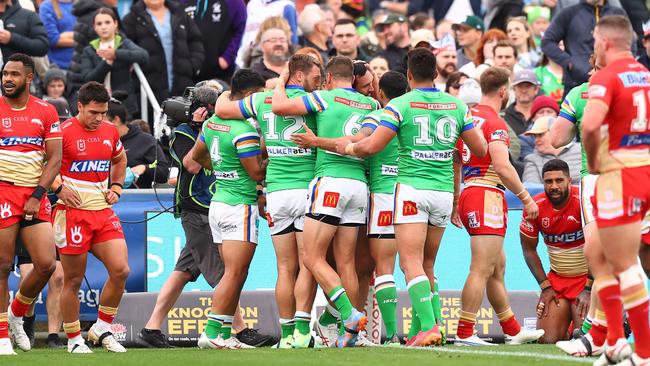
(353, 178)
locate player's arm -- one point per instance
(369, 145)
(534, 263)
(118, 173)
(285, 106)
(508, 175)
(594, 115)
(198, 155)
(229, 109)
(254, 167)
(247, 146)
(308, 139)
(562, 132)
(458, 176)
(473, 138)
(53, 153)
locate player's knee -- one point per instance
(237, 273)
(44, 268)
(365, 265)
(72, 283)
(56, 281)
(121, 273)
(6, 267)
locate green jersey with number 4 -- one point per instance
(228, 141)
(339, 113)
(428, 123)
(290, 166)
(572, 108)
(383, 165)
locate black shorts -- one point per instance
(22, 255)
(200, 254)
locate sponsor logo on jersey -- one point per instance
(81, 145)
(478, 121)
(409, 208)
(6, 122)
(55, 127)
(473, 219)
(435, 106)
(331, 199)
(389, 170)
(500, 135)
(546, 222)
(86, 166)
(21, 140)
(597, 91)
(584, 95)
(526, 225)
(635, 140)
(564, 237)
(107, 143)
(218, 127)
(385, 218)
(432, 155)
(353, 104)
(572, 218)
(287, 151)
(268, 100)
(37, 122)
(231, 175)
(632, 79)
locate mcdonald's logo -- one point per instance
(269, 219)
(385, 218)
(331, 199)
(410, 208)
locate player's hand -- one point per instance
(111, 197)
(455, 217)
(5, 36)
(532, 211)
(341, 143)
(31, 208)
(582, 303)
(594, 166)
(69, 197)
(138, 170)
(223, 64)
(261, 206)
(200, 114)
(547, 299)
(305, 140)
(284, 76)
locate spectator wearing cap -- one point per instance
(59, 23)
(422, 38)
(317, 26)
(544, 151)
(574, 26)
(345, 41)
(54, 83)
(396, 34)
(445, 51)
(275, 54)
(519, 114)
(468, 34)
(539, 18)
(645, 56)
(470, 92)
(543, 106)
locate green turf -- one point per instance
(448, 356)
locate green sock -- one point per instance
(415, 325)
(386, 294)
(340, 299)
(287, 326)
(586, 325)
(213, 326)
(420, 294)
(302, 322)
(226, 328)
(435, 302)
(327, 318)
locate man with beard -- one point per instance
(566, 291)
(446, 57)
(518, 114)
(30, 151)
(396, 34)
(275, 53)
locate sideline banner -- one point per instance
(186, 320)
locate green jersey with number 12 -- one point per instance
(290, 166)
(572, 108)
(339, 113)
(228, 141)
(428, 123)
(383, 165)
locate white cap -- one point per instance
(470, 92)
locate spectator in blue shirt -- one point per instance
(59, 23)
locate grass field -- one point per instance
(448, 356)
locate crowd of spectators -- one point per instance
(546, 44)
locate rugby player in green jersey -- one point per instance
(288, 174)
(427, 123)
(383, 174)
(337, 200)
(231, 149)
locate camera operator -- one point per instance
(194, 189)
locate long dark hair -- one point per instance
(116, 107)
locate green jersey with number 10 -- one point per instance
(290, 166)
(228, 141)
(428, 123)
(339, 113)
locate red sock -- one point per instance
(510, 326)
(638, 319)
(598, 333)
(72, 329)
(609, 294)
(106, 314)
(465, 329)
(4, 326)
(19, 308)
(635, 301)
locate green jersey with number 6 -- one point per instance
(228, 141)
(290, 166)
(572, 108)
(383, 165)
(428, 123)
(339, 113)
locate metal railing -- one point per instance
(148, 98)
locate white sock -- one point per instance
(76, 340)
(102, 327)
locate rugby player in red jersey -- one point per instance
(83, 219)
(30, 157)
(616, 137)
(560, 224)
(483, 212)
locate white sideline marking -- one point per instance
(513, 354)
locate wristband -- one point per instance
(39, 192)
(118, 195)
(117, 191)
(349, 149)
(58, 190)
(260, 192)
(117, 184)
(546, 284)
(522, 191)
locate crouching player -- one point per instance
(566, 290)
(83, 219)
